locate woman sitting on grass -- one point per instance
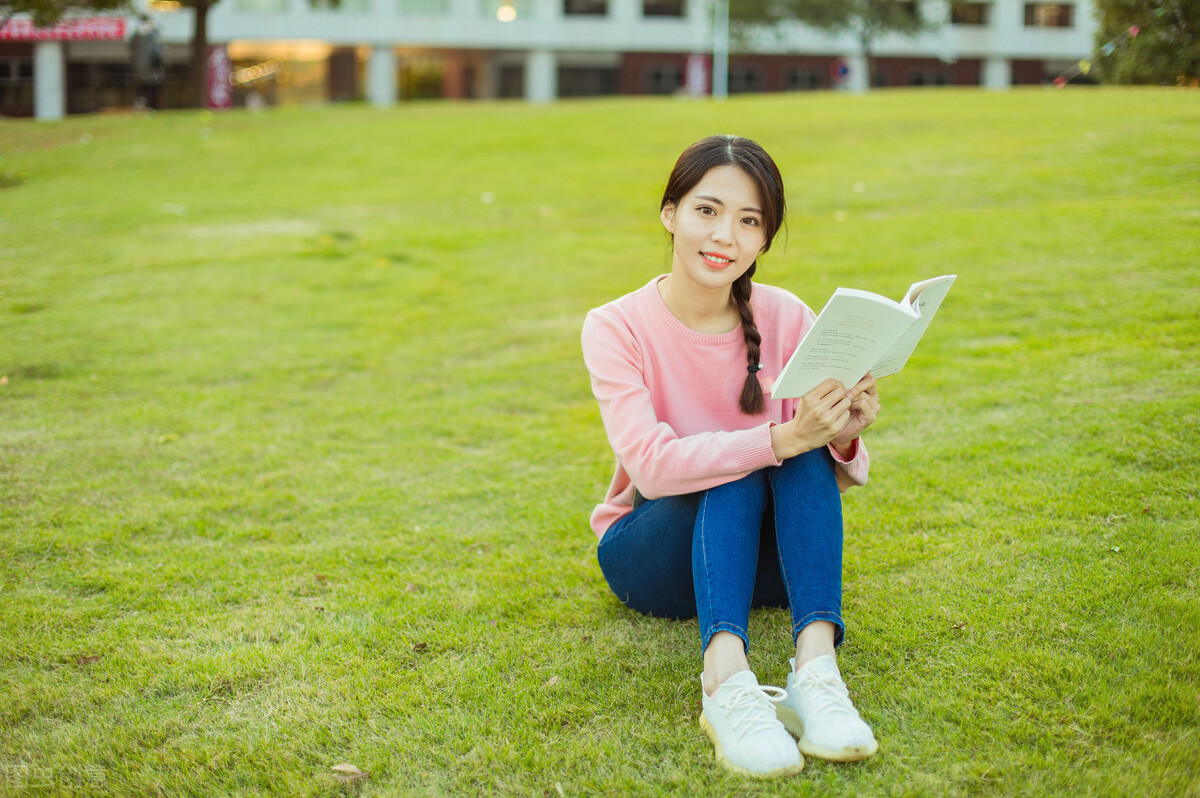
(724, 499)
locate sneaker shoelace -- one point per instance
(827, 693)
(751, 706)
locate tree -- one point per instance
(198, 66)
(198, 69)
(866, 19)
(47, 12)
(1164, 49)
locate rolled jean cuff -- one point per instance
(839, 628)
(724, 626)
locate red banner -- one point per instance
(68, 30)
(220, 92)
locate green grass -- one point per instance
(297, 448)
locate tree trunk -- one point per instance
(198, 69)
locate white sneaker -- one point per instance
(740, 720)
(818, 711)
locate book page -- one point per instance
(854, 329)
(925, 298)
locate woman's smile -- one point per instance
(716, 260)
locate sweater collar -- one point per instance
(680, 329)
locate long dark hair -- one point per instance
(690, 169)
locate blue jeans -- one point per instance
(772, 538)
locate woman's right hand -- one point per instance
(821, 414)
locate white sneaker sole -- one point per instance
(778, 773)
(853, 753)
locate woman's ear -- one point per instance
(668, 217)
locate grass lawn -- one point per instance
(297, 448)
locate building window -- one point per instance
(663, 8)
(929, 77)
(1048, 15)
(587, 81)
(423, 8)
(585, 8)
(347, 6)
(16, 82)
(664, 79)
(801, 79)
(970, 13)
(261, 6)
(421, 77)
(745, 80)
(512, 81)
(92, 86)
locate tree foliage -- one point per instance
(1166, 48)
(866, 19)
(47, 12)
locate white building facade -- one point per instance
(388, 51)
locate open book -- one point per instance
(859, 332)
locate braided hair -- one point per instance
(753, 160)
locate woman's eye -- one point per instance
(750, 220)
(706, 210)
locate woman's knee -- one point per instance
(752, 487)
(815, 463)
(735, 509)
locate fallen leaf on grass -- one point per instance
(87, 660)
(347, 772)
(411, 587)
(553, 680)
(421, 647)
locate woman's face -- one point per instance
(717, 229)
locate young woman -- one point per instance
(724, 498)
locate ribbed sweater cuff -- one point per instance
(755, 451)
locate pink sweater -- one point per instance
(669, 396)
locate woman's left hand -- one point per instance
(864, 409)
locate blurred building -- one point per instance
(386, 51)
